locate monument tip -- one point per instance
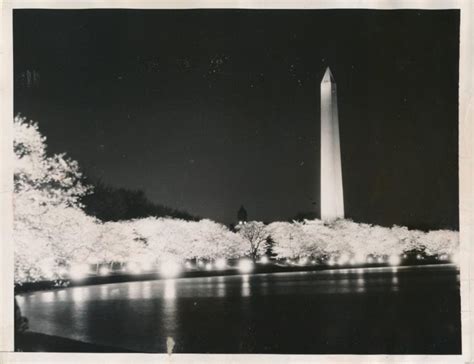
(328, 77)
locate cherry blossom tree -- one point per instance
(415, 241)
(40, 179)
(118, 242)
(356, 240)
(213, 240)
(287, 239)
(440, 242)
(49, 228)
(404, 237)
(163, 238)
(255, 234)
(179, 239)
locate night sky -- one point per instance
(206, 110)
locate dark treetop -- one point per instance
(206, 110)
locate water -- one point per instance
(407, 310)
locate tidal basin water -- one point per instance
(405, 310)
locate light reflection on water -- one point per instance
(221, 287)
(147, 290)
(337, 281)
(360, 285)
(245, 288)
(150, 311)
(104, 292)
(264, 287)
(80, 294)
(169, 314)
(170, 289)
(135, 290)
(62, 294)
(48, 297)
(395, 282)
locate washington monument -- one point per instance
(332, 198)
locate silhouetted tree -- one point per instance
(269, 248)
(109, 203)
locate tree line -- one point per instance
(55, 226)
(108, 203)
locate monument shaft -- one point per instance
(332, 198)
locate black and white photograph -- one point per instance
(236, 181)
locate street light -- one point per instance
(360, 258)
(394, 260)
(103, 271)
(134, 268)
(245, 265)
(343, 259)
(170, 269)
(221, 263)
(79, 271)
(303, 261)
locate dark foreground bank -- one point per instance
(33, 341)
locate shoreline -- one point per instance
(155, 275)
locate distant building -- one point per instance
(242, 215)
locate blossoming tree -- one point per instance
(49, 227)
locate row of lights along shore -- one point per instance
(167, 269)
(171, 269)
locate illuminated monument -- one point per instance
(332, 197)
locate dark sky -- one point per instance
(206, 110)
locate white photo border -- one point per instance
(466, 178)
